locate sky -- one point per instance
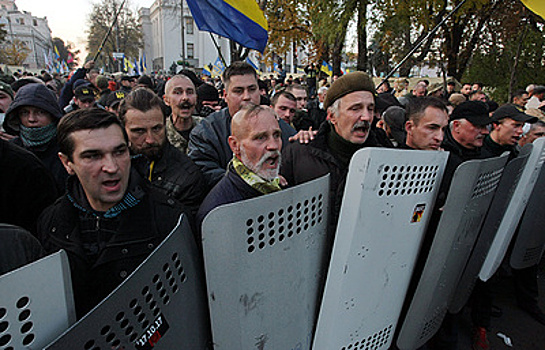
(68, 18)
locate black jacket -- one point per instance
(176, 176)
(103, 251)
(492, 149)
(209, 148)
(26, 187)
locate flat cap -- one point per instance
(348, 83)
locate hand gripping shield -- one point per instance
(264, 269)
(530, 239)
(514, 210)
(504, 192)
(37, 303)
(387, 203)
(161, 305)
(468, 199)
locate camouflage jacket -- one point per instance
(175, 138)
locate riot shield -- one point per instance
(530, 239)
(264, 269)
(161, 305)
(36, 304)
(471, 191)
(388, 199)
(506, 187)
(514, 210)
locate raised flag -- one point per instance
(206, 70)
(251, 63)
(218, 68)
(326, 68)
(239, 20)
(536, 6)
(276, 68)
(136, 70)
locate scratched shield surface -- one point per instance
(504, 192)
(530, 240)
(36, 303)
(387, 203)
(514, 210)
(263, 261)
(161, 305)
(472, 189)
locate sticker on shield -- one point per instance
(153, 334)
(418, 212)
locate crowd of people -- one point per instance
(103, 166)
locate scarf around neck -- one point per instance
(33, 137)
(254, 180)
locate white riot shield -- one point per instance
(387, 203)
(514, 210)
(530, 239)
(470, 193)
(161, 305)
(263, 260)
(36, 303)
(504, 192)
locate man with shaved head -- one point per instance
(256, 141)
(181, 96)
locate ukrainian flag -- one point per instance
(239, 20)
(536, 6)
(326, 68)
(206, 70)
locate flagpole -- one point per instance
(432, 32)
(109, 31)
(218, 48)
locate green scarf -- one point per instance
(254, 180)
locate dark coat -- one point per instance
(137, 232)
(176, 176)
(209, 148)
(231, 188)
(26, 187)
(492, 149)
(18, 248)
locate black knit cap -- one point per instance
(474, 111)
(207, 92)
(348, 83)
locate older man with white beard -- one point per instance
(256, 141)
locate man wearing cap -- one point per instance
(393, 123)
(6, 97)
(536, 98)
(508, 121)
(350, 105)
(208, 100)
(33, 115)
(113, 100)
(85, 97)
(126, 83)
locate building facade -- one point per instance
(163, 36)
(31, 31)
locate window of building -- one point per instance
(35, 22)
(189, 25)
(21, 21)
(190, 50)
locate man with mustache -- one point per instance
(171, 171)
(208, 145)
(427, 116)
(181, 96)
(350, 105)
(256, 140)
(508, 121)
(110, 218)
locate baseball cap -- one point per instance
(85, 93)
(513, 112)
(476, 112)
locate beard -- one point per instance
(266, 174)
(153, 152)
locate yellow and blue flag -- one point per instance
(239, 20)
(206, 70)
(326, 68)
(536, 6)
(254, 65)
(218, 68)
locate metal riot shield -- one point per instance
(264, 269)
(471, 191)
(36, 304)
(530, 239)
(504, 192)
(387, 203)
(514, 210)
(161, 305)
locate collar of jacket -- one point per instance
(450, 144)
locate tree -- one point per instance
(126, 35)
(14, 52)
(66, 51)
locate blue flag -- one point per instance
(239, 20)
